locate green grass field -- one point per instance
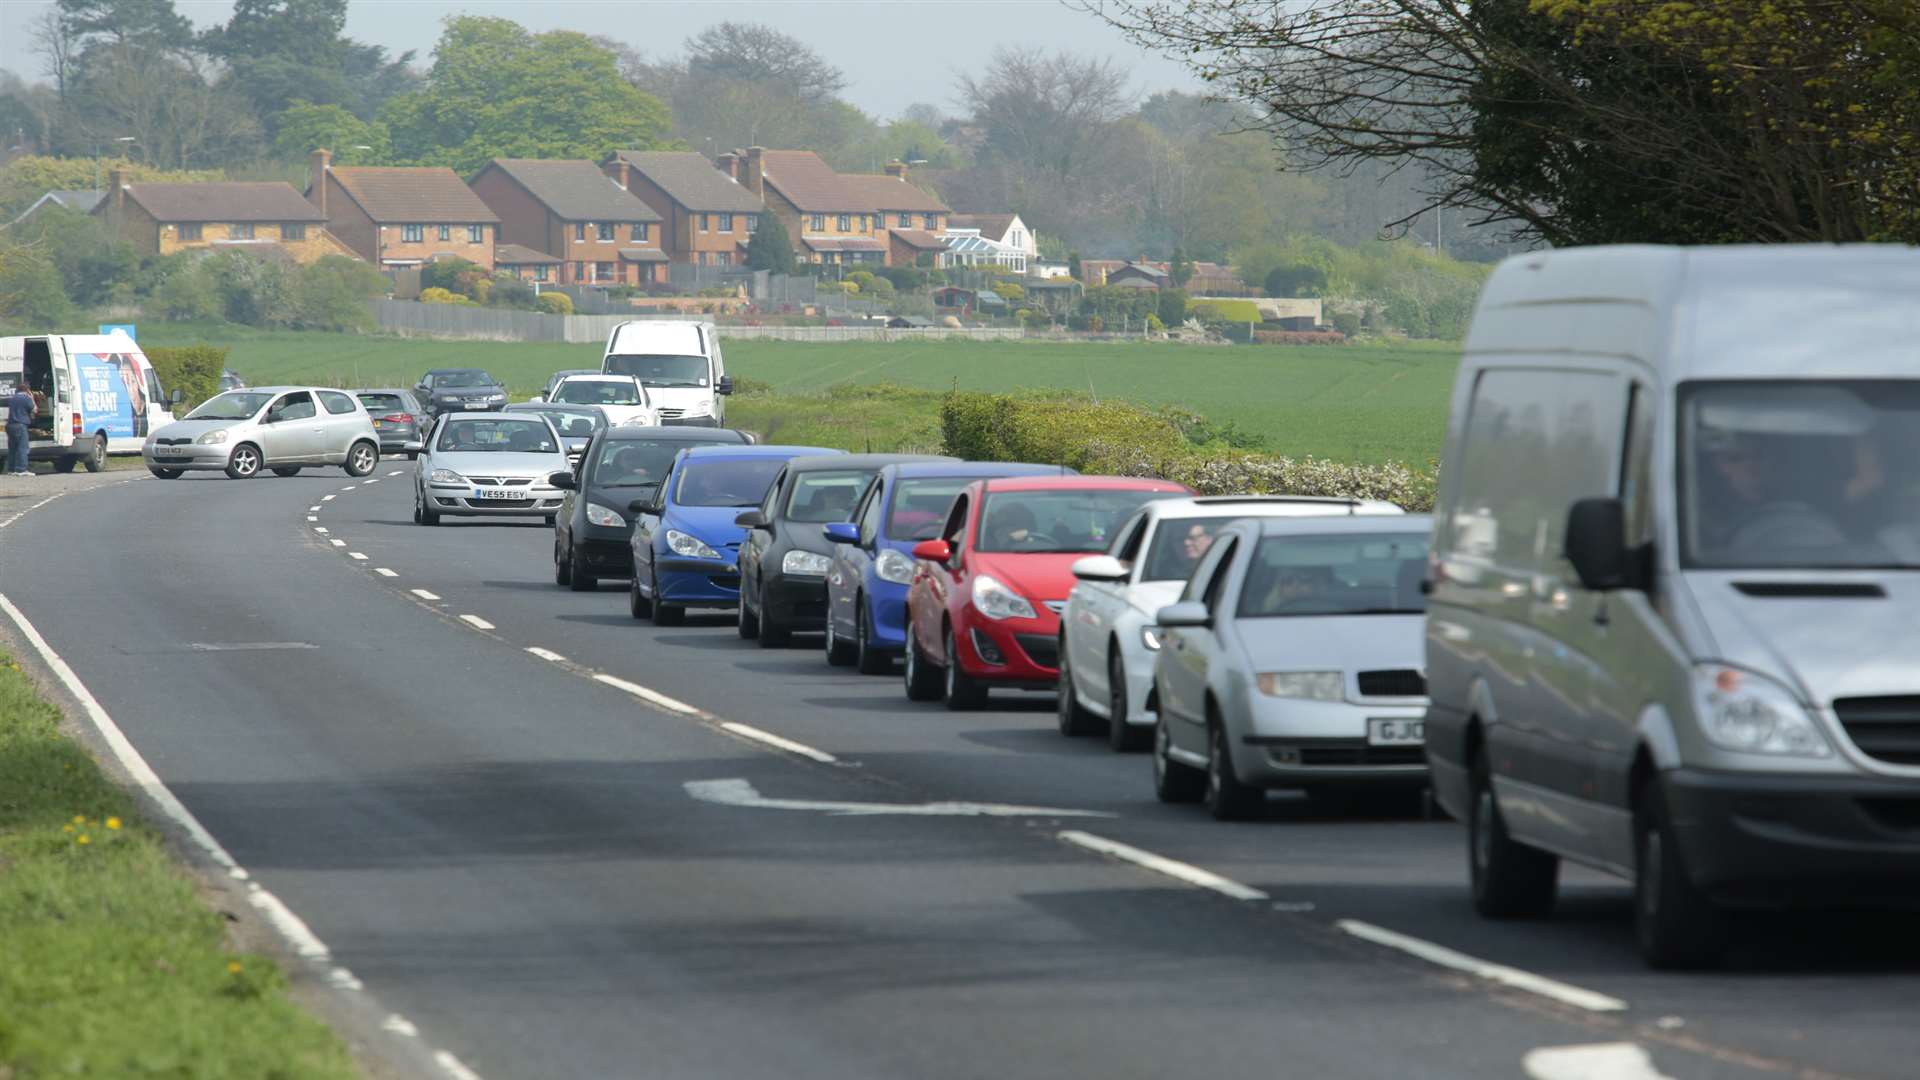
(1351, 403)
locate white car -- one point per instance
(1107, 633)
(621, 397)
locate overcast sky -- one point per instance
(895, 52)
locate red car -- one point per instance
(983, 609)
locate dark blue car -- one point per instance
(873, 561)
(686, 547)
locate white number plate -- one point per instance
(1396, 732)
(500, 493)
(169, 451)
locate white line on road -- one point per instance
(398, 472)
(314, 509)
(1499, 973)
(384, 572)
(338, 543)
(364, 483)
(768, 737)
(310, 517)
(423, 594)
(738, 792)
(1160, 864)
(400, 1025)
(653, 696)
(349, 487)
(476, 622)
(321, 529)
(31, 509)
(453, 1067)
(342, 979)
(1596, 1061)
(356, 556)
(546, 654)
(327, 498)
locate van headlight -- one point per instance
(600, 515)
(213, 438)
(805, 564)
(1752, 714)
(894, 566)
(1307, 685)
(689, 547)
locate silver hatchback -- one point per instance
(488, 464)
(282, 428)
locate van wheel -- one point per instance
(65, 464)
(1677, 925)
(1510, 879)
(922, 678)
(1125, 738)
(961, 690)
(362, 459)
(167, 474)
(1172, 781)
(286, 470)
(1226, 797)
(1072, 717)
(96, 459)
(244, 462)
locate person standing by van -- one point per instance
(20, 413)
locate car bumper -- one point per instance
(790, 598)
(1292, 743)
(196, 457)
(459, 502)
(395, 440)
(604, 558)
(887, 616)
(1022, 653)
(689, 421)
(698, 582)
(1785, 841)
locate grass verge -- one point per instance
(111, 965)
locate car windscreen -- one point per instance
(1058, 520)
(920, 505)
(1799, 474)
(382, 403)
(572, 425)
(820, 497)
(626, 463)
(1336, 574)
(448, 379)
(1177, 546)
(505, 435)
(726, 482)
(234, 405)
(597, 392)
(670, 371)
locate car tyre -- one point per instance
(1125, 738)
(96, 459)
(960, 690)
(840, 652)
(774, 634)
(422, 513)
(1226, 797)
(577, 579)
(746, 623)
(286, 470)
(362, 458)
(1072, 717)
(665, 614)
(1509, 879)
(244, 462)
(922, 678)
(867, 660)
(1677, 925)
(562, 559)
(637, 605)
(167, 474)
(1173, 782)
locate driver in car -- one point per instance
(629, 467)
(1012, 527)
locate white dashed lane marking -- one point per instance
(653, 696)
(375, 480)
(423, 594)
(384, 572)
(1160, 864)
(1498, 973)
(398, 472)
(476, 622)
(768, 737)
(1597, 1061)
(546, 654)
(321, 529)
(314, 509)
(338, 543)
(356, 556)
(326, 498)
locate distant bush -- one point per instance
(1231, 311)
(904, 278)
(555, 303)
(446, 274)
(31, 290)
(194, 369)
(1299, 337)
(511, 292)
(332, 293)
(1347, 322)
(437, 295)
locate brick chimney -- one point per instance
(728, 163)
(318, 163)
(897, 169)
(623, 173)
(117, 191)
(756, 170)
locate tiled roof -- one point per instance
(412, 195)
(892, 193)
(691, 180)
(224, 201)
(642, 255)
(515, 255)
(919, 238)
(83, 201)
(991, 226)
(842, 243)
(811, 184)
(575, 190)
(1141, 268)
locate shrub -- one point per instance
(881, 288)
(862, 278)
(30, 287)
(446, 273)
(511, 293)
(1346, 322)
(480, 290)
(253, 291)
(1299, 337)
(188, 293)
(1230, 311)
(904, 278)
(332, 294)
(438, 295)
(555, 303)
(194, 369)
(1170, 307)
(1010, 292)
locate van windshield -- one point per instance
(668, 371)
(234, 405)
(1800, 474)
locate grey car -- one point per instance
(282, 428)
(397, 417)
(487, 464)
(444, 390)
(1293, 660)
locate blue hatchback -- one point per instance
(873, 561)
(685, 545)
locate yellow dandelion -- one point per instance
(113, 823)
(82, 839)
(233, 967)
(79, 819)
(66, 828)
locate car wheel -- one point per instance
(1073, 718)
(244, 462)
(1509, 879)
(166, 474)
(840, 652)
(1125, 738)
(959, 689)
(579, 580)
(923, 679)
(362, 458)
(423, 513)
(867, 659)
(745, 621)
(562, 558)
(1173, 782)
(1678, 927)
(637, 605)
(96, 458)
(665, 614)
(774, 634)
(1226, 797)
(286, 470)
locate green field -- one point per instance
(1351, 403)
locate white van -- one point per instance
(1675, 568)
(97, 394)
(680, 365)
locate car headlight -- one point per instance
(1752, 714)
(600, 515)
(805, 563)
(213, 438)
(894, 566)
(445, 476)
(996, 601)
(496, 397)
(688, 547)
(1150, 637)
(1310, 685)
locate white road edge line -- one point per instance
(384, 572)
(424, 594)
(356, 556)
(768, 737)
(31, 509)
(546, 654)
(1499, 973)
(291, 927)
(1160, 864)
(476, 622)
(653, 696)
(1595, 1061)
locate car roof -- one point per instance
(812, 463)
(1336, 524)
(584, 376)
(757, 450)
(555, 406)
(975, 469)
(477, 414)
(458, 371)
(678, 433)
(282, 389)
(381, 390)
(1081, 483)
(1264, 506)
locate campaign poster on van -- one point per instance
(106, 402)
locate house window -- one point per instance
(903, 221)
(540, 273)
(726, 223)
(412, 234)
(603, 271)
(189, 233)
(819, 223)
(476, 234)
(845, 223)
(604, 233)
(703, 223)
(753, 222)
(637, 233)
(931, 221)
(579, 271)
(240, 232)
(293, 232)
(580, 232)
(446, 232)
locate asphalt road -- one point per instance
(506, 850)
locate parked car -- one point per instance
(487, 464)
(397, 417)
(679, 363)
(784, 561)
(96, 394)
(445, 390)
(282, 428)
(620, 397)
(1292, 659)
(229, 380)
(1107, 635)
(983, 609)
(872, 561)
(685, 543)
(1676, 560)
(592, 534)
(576, 424)
(553, 380)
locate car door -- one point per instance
(292, 430)
(753, 548)
(1189, 653)
(342, 422)
(646, 524)
(848, 574)
(1092, 608)
(932, 586)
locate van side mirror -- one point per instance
(1185, 613)
(726, 385)
(178, 397)
(561, 480)
(1597, 545)
(751, 519)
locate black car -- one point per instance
(784, 560)
(397, 417)
(593, 530)
(577, 424)
(460, 390)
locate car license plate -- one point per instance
(169, 451)
(379, 423)
(499, 493)
(1396, 732)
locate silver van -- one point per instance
(1675, 583)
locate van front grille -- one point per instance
(1887, 728)
(1404, 682)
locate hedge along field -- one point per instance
(1360, 403)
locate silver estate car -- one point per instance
(282, 428)
(1293, 660)
(488, 464)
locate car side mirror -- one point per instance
(562, 480)
(725, 386)
(843, 532)
(1597, 545)
(535, 399)
(1185, 613)
(751, 519)
(1100, 568)
(178, 397)
(413, 447)
(933, 551)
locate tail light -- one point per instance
(398, 418)
(77, 429)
